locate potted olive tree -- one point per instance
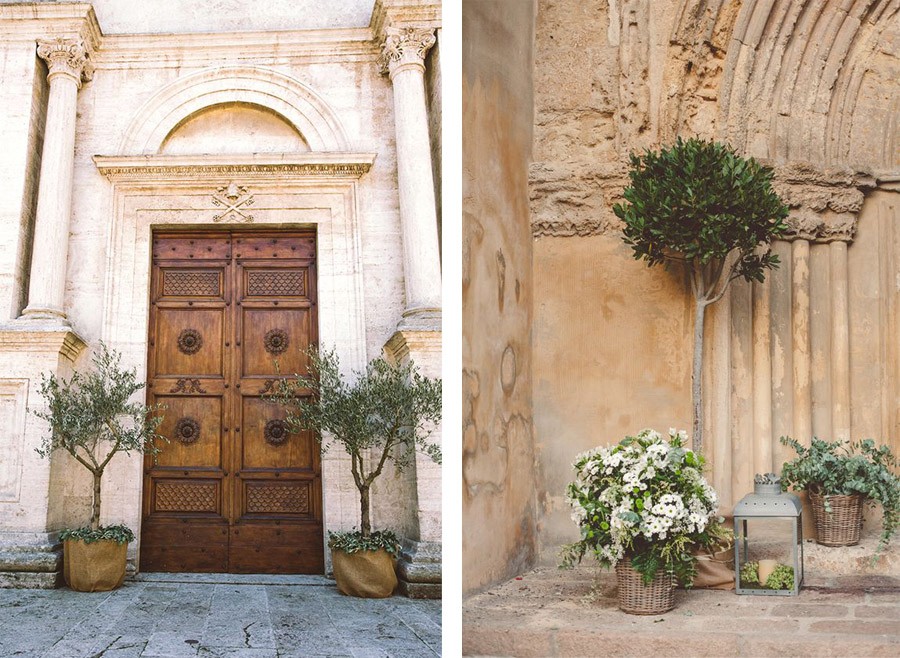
(383, 414)
(91, 416)
(701, 206)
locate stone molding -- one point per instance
(405, 48)
(67, 57)
(424, 13)
(286, 96)
(34, 336)
(419, 569)
(286, 166)
(824, 202)
(569, 201)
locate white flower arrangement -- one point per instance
(646, 499)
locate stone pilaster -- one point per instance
(403, 59)
(69, 65)
(35, 502)
(419, 566)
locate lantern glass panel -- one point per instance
(766, 556)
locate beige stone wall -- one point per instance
(289, 102)
(813, 350)
(498, 484)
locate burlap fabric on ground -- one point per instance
(366, 574)
(715, 569)
(95, 567)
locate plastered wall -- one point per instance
(498, 486)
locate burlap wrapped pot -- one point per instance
(365, 574)
(95, 567)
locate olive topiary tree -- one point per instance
(91, 416)
(383, 414)
(702, 206)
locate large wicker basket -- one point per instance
(841, 526)
(635, 598)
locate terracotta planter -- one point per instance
(95, 567)
(842, 525)
(636, 598)
(365, 574)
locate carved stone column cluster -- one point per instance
(69, 65)
(403, 59)
(787, 344)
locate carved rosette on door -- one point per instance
(233, 490)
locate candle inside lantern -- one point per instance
(766, 567)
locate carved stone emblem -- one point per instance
(235, 199)
(187, 430)
(275, 432)
(190, 341)
(276, 341)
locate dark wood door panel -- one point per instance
(267, 444)
(233, 490)
(193, 424)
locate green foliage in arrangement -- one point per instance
(121, 534)
(782, 577)
(840, 468)
(91, 416)
(353, 541)
(750, 574)
(383, 414)
(645, 499)
(700, 205)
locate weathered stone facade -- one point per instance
(290, 118)
(808, 87)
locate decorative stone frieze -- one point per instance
(405, 47)
(257, 167)
(67, 57)
(824, 203)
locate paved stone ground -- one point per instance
(549, 612)
(216, 617)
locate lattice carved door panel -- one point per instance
(233, 490)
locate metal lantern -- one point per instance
(768, 540)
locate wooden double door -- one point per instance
(232, 490)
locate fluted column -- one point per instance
(69, 66)
(403, 58)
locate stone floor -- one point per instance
(846, 609)
(216, 616)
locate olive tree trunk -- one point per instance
(95, 509)
(697, 376)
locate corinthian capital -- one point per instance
(66, 57)
(404, 47)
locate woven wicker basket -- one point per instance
(841, 526)
(635, 598)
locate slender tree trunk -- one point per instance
(95, 515)
(697, 376)
(365, 526)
